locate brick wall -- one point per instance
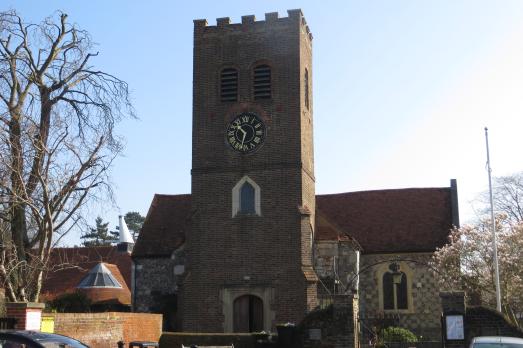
(176, 339)
(480, 321)
(332, 327)
(452, 301)
(27, 314)
(104, 330)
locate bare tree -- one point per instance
(507, 192)
(508, 196)
(57, 114)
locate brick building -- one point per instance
(360, 238)
(102, 273)
(244, 250)
(70, 266)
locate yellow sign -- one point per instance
(47, 325)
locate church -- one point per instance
(253, 245)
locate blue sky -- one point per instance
(402, 89)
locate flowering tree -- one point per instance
(467, 262)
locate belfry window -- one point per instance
(247, 199)
(229, 85)
(395, 289)
(306, 87)
(262, 82)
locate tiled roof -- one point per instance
(402, 220)
(165, 226)
(68, 266)
(329, 231)
(112, 295)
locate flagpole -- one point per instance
(493, 223)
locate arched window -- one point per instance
(306, 87)
(395, 289)
(229, 85)
(262, 82)
(246, 198)
(248, 314)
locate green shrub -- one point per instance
(397, 334)
(75, 302)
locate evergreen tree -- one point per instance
(134, 222)
(115, 235)
(99, 235)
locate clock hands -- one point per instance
(239, 127)
(245, 133)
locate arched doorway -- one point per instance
(248, 314)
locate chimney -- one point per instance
(126, 242)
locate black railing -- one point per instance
(7, 323)
(369, 326)
(420, 344)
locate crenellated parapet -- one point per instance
(249, 22)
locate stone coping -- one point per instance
(225, 334)
(451, 293)
(31, 305)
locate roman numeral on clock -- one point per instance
(246, 132)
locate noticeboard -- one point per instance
(454, 328)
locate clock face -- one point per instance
(246, 132)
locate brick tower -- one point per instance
(253, 200)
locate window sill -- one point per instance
(245, 215)
(398, 311)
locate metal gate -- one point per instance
(370, 326)
(7, 323)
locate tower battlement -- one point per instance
(249, 22)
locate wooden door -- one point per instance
(248, 314)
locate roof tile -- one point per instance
(110, 295)
(68, 266)
(165, 225)
(402, 220)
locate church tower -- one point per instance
(249, 249)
